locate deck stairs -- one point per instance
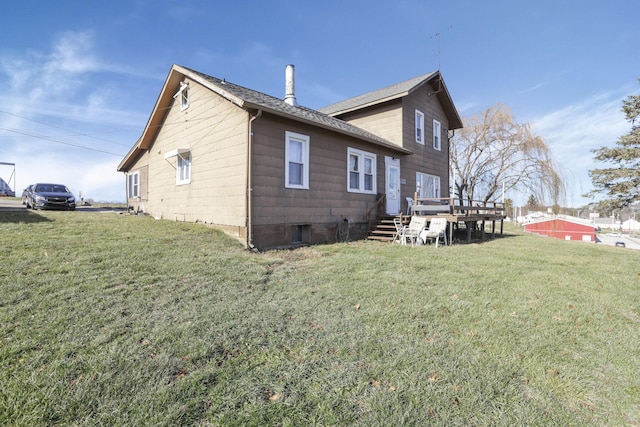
(385, 230)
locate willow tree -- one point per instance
(493, 153)
(620, 183)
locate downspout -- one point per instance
(249, 202)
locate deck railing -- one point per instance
(456, 206)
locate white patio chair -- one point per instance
(409, 205)
(413, 230)
(399, 231)
(437, 228)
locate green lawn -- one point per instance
(110, 319)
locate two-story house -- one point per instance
(276, 174)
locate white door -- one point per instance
(392, 178)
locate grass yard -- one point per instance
(109, 319)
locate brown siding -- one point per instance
(327, 201)
(395, 121)
(425, 159)
(384, 120)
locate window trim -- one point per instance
(182, 154)
(133, 185)
(183, 162)
(436, 186)
(304, 140)
(437, 135)
(183, 96)
(419, 127)
(362, 156)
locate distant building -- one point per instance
(631, 225)
(563, 227)
(5, 190)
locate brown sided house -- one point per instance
(276, 174)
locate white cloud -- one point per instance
(574, 131)
(54, 104)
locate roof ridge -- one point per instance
(270, 102)
(389, 91)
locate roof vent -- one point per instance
(290, 93)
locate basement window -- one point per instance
(300, 234)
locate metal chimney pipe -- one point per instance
(290, 93)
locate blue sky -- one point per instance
(78, 80)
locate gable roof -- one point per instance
(247, 99)
(399, 90)
(565, 218)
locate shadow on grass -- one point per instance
(460, 236)
(8, 215)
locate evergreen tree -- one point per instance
(620, 182)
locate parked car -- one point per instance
(26, 193)
(51, 196)
(620, 244)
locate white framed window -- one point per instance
(427, 186)
(296, 173)
(183, 96)
(419, 127)
(437, 135)
(183, 168)
(361, 171)
(133, 185)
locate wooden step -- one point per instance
(385, 229)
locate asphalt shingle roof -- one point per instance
(388, 92)
(252, 98)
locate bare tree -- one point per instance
(493, 152)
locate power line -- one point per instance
(73, 133)
(46, 138)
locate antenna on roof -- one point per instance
(437, 36)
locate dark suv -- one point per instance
(50, 196)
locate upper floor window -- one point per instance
(183, 96)
(419, 127)
(362, 171)
(183, 168)
(296, 161)
(437, 131)
(427, 186)
(133, 185)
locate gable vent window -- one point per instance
(183, 96)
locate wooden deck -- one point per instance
(477, 213)
(474, 217)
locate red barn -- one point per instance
(563, 227)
